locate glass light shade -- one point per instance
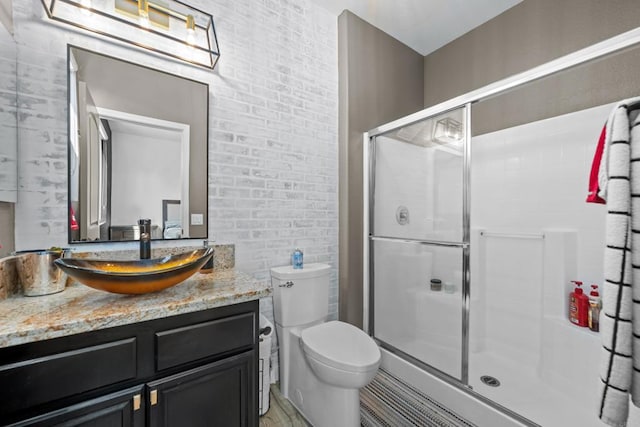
(448, 131)
(166, 27)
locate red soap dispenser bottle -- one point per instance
(578, 306)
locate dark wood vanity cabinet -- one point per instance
(225, 382)
(123, 408)
(195, 369)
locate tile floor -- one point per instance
(386, 401)
(281, 412)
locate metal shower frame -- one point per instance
(609, 46)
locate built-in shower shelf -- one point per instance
(561, 322)
(425, 292)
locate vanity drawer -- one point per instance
(44, 379)
(202, 340)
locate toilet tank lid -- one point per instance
(308, 271)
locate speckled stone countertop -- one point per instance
(81, 309)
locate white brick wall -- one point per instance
(8, 110)
(273, 165)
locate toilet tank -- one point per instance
(300, 296)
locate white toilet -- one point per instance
(322, 364)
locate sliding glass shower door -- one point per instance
(418, 243)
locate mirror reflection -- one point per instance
(137, 149)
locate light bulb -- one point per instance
(143, 13)
(191, 36)
(191, 30)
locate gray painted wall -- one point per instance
(589, 85)
(529, 34)
(6, 15)
(7, 222)
(380, 79)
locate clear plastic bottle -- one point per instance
(449, 288)
(296, 259)
(595, 304)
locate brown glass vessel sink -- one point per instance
(135, 277)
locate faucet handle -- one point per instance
(144, 226)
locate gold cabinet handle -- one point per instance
(136, 402)
(153, 397)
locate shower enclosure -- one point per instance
(476, 225)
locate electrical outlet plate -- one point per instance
(197, 219)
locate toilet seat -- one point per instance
(341, 346)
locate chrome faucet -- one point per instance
(145, 238)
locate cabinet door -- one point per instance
(217, 394)
(122, 409)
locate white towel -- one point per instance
(621, 181)
(635, 243)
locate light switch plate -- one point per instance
(197, 219)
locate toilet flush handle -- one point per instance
(286, 285)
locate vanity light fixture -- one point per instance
(447, 131)
(167, 27)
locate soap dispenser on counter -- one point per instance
(578, 305)
(595, 303)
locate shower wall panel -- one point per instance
(422, 323)
(418, 190)
(535, 176)
(402, 179)
(533, 232)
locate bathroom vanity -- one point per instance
(184, 356)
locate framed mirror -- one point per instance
(137, 140)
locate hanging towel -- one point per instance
(594, 187)
(635, 243)
(620, 186)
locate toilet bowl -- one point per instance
(322, 364)
(340, 354)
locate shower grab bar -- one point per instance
(420, 242)
(512, 235)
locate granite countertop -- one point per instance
(82, 309)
